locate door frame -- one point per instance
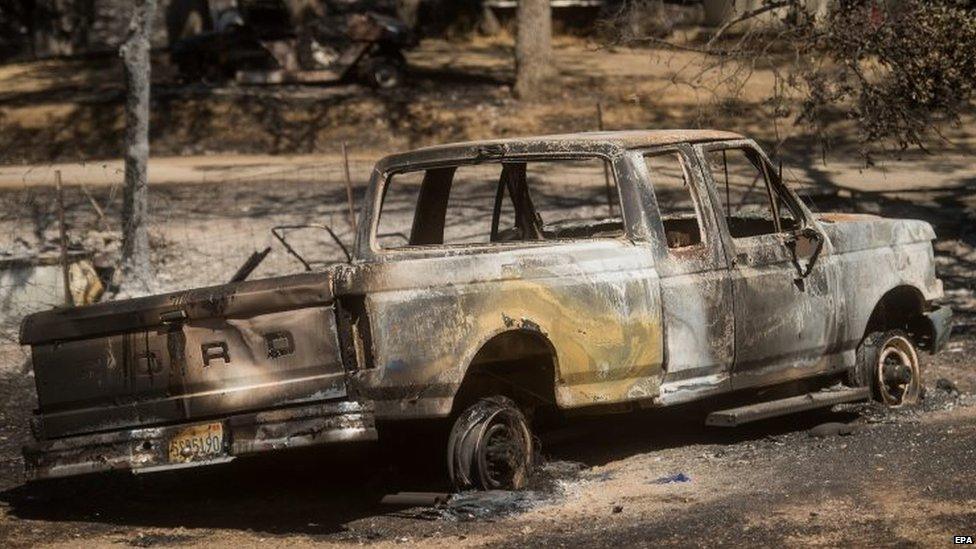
(786, 363)
(691, 272)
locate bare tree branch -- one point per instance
(897, 72)
(768, 6)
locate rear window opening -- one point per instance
(668, 174)
(495, 203)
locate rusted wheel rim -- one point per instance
(898, 373)
(503, 456)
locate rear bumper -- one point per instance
(147, 449)
(940, 325)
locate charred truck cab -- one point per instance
(599, 272)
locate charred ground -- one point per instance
(901, 478)
(904, 477)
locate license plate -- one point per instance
(197, 442)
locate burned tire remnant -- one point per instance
(888, 363)
(383, 72)
(490, 447)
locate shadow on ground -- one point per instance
(319, 492)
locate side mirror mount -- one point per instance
(806, 244)
(279, 232)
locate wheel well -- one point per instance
(902, 308)
(519, 364)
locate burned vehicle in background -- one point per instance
(282, 41)
(505, 289)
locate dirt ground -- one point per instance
(64, 111)
(220, 182)
(901, 479)
(652, 479)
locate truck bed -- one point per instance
(183, 356)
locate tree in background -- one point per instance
(137, 276)
(533, 48)
(900, 72)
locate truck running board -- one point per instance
(774, 408)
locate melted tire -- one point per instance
(490, 447)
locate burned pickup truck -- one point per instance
(495, 282)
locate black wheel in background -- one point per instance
(383, 72)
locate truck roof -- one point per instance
(569, 143)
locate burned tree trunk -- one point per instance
(135, 52)
(533, 48)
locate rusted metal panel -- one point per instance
(571, 143)
(874, 258)
(228, 300)
(696, 291)
(596, 302)
(230, 349)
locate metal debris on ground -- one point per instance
(947, 386)
(154, 539)
(475, 505)
(671, 479)
(832, 428)
(410, 499)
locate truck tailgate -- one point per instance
(191, 355)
